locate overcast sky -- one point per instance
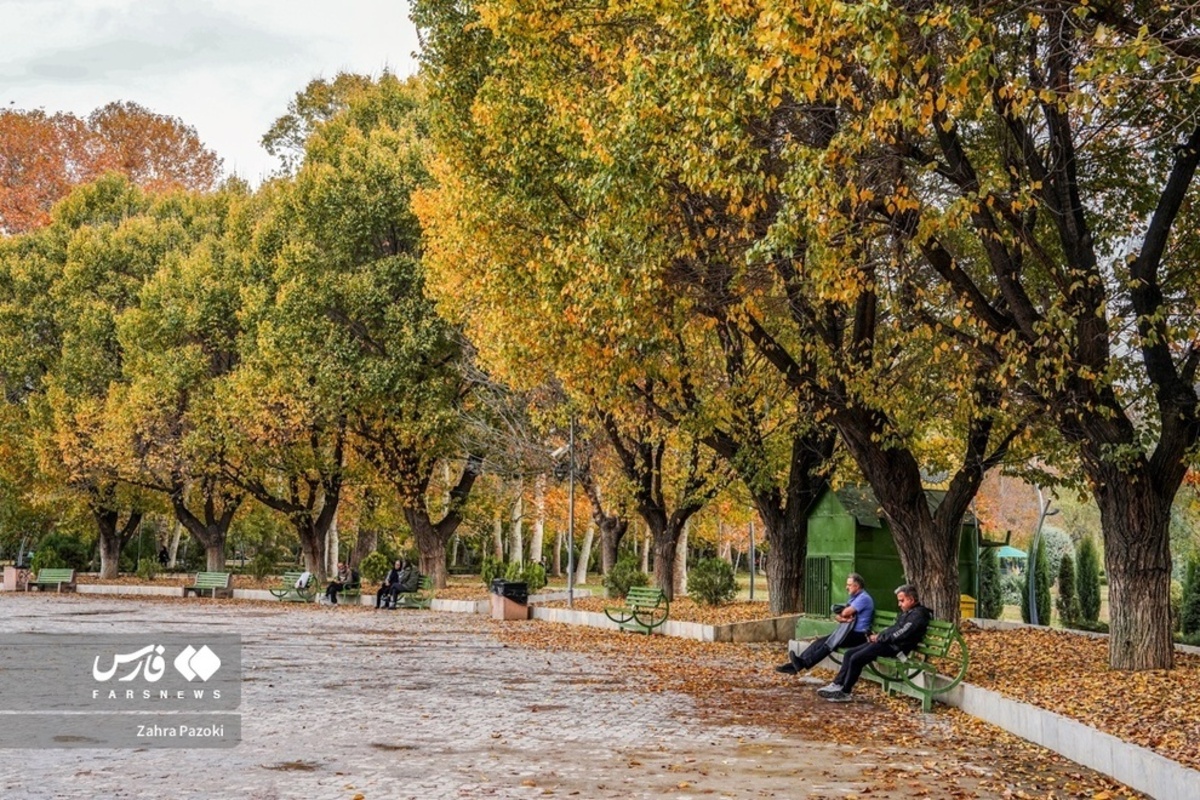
(226, 67)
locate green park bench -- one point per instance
(937, 665)
(645, 609)
(289, 592)
(61, 579)
(421, 598)
(215, 583)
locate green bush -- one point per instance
(991, 592)
(1087, 562)
(490, 568)
(1041, 588)
(1189, 612)
(374, 567)
(623, 575)
(148, 568)
(1010, 588)
(263, 564)
(59, 550)
(711, 582)
(535, 576)
(1068, 597)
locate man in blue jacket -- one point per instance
(856, 616)
(902, 637)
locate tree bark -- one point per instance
(113, 537)
(516, 552)
(537, 539)
(585, 555)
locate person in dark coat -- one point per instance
(902, 637)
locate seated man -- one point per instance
(386, 596)
(859, 610)
(902, 637)
(337, 584)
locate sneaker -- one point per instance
(838, 697)
(832, 688)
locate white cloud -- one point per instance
(226, 67)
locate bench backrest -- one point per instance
(644, 596)
(56, 575)
(290, 578)
(939, 636)
(212, 580)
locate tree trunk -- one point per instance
(537, 540)
(364, 545)
(112, 538)
(585, 555)
(498, 537)
(332, 547)
(558, 546)
(681, 552)
(174, 552)
(1137, 557)
(430, 546)
(646, 540)
(516, 553)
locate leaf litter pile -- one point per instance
(1068, 674)
(736, 684)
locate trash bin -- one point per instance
(517, 591)
(966, 606)
(510, 599)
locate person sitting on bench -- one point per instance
(854, 623)
(402, 579)
(902, 637)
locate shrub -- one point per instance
(711, 582)
(1068, 597)
(534, 575)
(1010, 589)
(374, 567)
(1041, 568)
(489, 569)
(1088, 568)
(991, 592)
(148, 568)
(1189, 612)
(59, 550)
(263, 564)
(624, 574)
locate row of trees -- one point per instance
(867, 241)
(942, 236)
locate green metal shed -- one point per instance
(847, 532)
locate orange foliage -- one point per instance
(43, 156)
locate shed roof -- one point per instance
(860, 502)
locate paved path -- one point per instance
(346, 703)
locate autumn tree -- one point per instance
(387, 370)
(43, 156)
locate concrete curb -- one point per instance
(777, 629)
(1137, 767)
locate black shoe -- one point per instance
(787, 669)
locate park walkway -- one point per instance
(349, 702)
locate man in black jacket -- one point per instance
(902, 637)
